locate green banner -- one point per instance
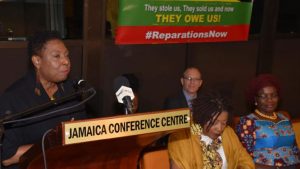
(199, 15)
(175, 13)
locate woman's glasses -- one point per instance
(268, 96)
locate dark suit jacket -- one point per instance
(174, 102)
(177, 101)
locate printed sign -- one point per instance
(182, 21)
(121, 126)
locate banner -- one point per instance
(182, 21)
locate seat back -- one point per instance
(155, 159)
(296, 127)
(235, 122)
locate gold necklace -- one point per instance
(273, 117)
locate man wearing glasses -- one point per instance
(191, 81)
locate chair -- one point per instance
(235, 122)
(296, 127)
(155, 158)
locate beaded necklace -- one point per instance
(273, 117)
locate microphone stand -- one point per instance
(38, 108)
(5, 119)
(126, 110)
(127, 107)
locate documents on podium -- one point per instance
(107, 143)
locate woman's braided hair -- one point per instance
(207, 107)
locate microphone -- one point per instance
(124, 93)
(81, 92)
(79, 84)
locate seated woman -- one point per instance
(267, 134)
(209, 143)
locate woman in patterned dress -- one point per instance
(266, 133)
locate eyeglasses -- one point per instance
(190, 79)
(269, 96)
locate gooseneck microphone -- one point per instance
(79, 84)
(82, 93)
(124, 93)
(81, 90)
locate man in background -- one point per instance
(191, 82)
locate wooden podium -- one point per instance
(114, 153)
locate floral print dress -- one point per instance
(269, 143)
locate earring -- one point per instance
(37, 90)
(255, 103)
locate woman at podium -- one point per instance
(46, 82)
(209, 143)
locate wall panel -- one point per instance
(286, 63)
(227, 67)
(14, 61)
(158, 68)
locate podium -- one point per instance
(120, 152)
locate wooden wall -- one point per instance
(158, 68)
(14, 61)
(286, 66)
(226, 66)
